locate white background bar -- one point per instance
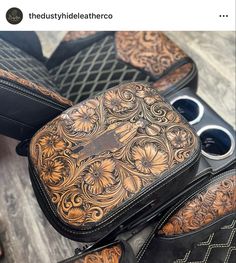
(127, 14)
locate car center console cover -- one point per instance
(110, 158)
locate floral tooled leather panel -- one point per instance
(106, 255)
(74, 35)
(104, 151)
(217, 200)
(29, 84)
(151, 51)
(172, 78)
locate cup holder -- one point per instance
(217, 142)
(190, 108)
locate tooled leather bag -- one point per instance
(198, 228)
(87, 63)
(111, 159)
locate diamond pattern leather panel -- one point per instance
(23, 65)
(219, 247)
(93, 70)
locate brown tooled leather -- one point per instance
(106, 255)
(74, 35)
(214, 202)
(173, 77)
(29, 84)
(103, 151)
(151, 51)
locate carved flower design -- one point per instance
(148, 95)
(106, 255)
(51, 144)
(195, 214)
(149, 159)
(52, 171)
(223, 203)
(212, 203)
(100, 176)
(171, 228)
(189, 218)
(76, 213)
(152, 129)
(178, 138)
(84, 119)
(113, 101)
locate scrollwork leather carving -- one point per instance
(106, 255)
(212, 203)
(74, 35)
(151, 51)
(172, 78)
(29, 84)
(104, 151)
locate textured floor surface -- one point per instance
(26, 234)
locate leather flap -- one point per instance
(106, 153)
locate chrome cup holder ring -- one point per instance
(229, 149)
(197, 105)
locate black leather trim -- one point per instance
(23, 112)
(191, 81)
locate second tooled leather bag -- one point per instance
(111, 159)
(198, 228)
(88, 62)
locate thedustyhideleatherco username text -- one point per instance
(67, 16)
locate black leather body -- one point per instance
(151, 196)
(22, 113)
(27, 97)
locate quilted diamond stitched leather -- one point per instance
(218, 247)
(18, 62)
(104, 151)
(93, 70)
(19, 67)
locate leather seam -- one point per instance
(21, 92)
(18, 122)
